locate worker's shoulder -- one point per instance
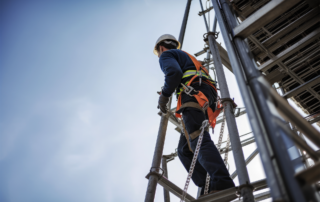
(173, 53)
(176, 51)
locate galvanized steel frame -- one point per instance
(259, 106)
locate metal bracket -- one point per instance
(238, 193)
(228, 100)
(160, 175)
(205, 36)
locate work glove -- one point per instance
(162, 103)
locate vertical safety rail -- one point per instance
(156, 161)
(228, 105)
(268, 113)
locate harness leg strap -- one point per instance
(196, 133)
(191, 104)
(186, 134)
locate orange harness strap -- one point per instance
(197, 63)
(201, 98)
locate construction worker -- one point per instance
(179, 67)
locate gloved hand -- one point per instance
(162, 103)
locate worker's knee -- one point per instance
(193, 119)
(181, 145)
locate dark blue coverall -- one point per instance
(173, 63)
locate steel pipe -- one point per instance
(292, 115)
(184, 23)
(204, 17)
(269, 12)
(248, 160)
(257, 126)
(153, 178)
(231, 122)
(166, 194)
(291, 189)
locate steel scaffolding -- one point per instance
(267, 42)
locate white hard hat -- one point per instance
(163, 38)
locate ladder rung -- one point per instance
(310, 175)
(230, 194)
(222, 196)
(165, 183)
(259, 197)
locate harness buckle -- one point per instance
(188, 89)
(205, 106)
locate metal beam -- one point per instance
(204, 16)
(243, 143)
(174, 189)
(270, 63)
(314, 120)
(291, 114)
(245, 192)
(302, 87)
(166, 194)
(248, 160)
(222, 196)
(156, 161)
(309, 175)
(265, 15)
(310, 20)
(184, 23)
(259, 197)
(247, 95)
(283, 186)
(230, 194)
(301, 143)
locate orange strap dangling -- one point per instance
(178, 107)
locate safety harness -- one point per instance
(203, 102)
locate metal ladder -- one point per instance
(266, 111)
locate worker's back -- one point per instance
(174, 63)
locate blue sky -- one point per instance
(78, 84)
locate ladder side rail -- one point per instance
(246, 191)
(156, 161)
(166, 194)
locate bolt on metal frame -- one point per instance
(263, 106)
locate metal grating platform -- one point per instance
(287, 48)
